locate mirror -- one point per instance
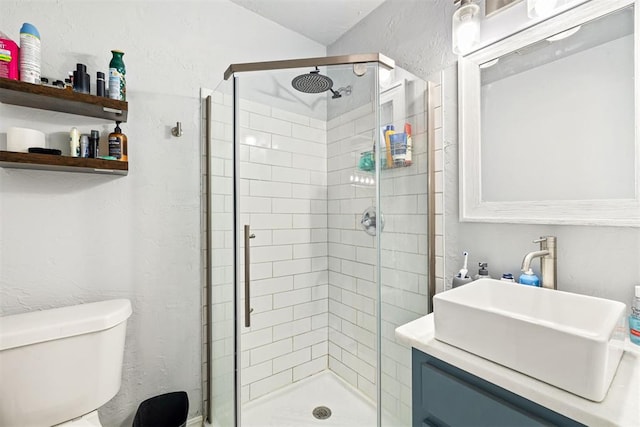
(547, 122)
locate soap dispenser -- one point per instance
(483, 273)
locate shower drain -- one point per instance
(322, 412)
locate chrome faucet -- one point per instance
(547, 255)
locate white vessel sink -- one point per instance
(570, 341)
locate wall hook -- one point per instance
(177, 131)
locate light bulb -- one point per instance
(466, 28)
(541, 8)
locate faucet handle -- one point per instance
(546, 242)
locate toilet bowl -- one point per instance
(59, 366)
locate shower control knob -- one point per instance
(369, 221)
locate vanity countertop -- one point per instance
(621, 406)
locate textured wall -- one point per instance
(417, 35)
(70, 238)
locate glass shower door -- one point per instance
(218, 192)
(404, 243)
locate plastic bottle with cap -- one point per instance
(29, 54)
(94, 144)
(74, 142)
(117, 79)
(84, 145)
(529, 278)
(634, 318)
(507, 277)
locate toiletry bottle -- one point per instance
(407, 159)
(84, 145)
(81, 82)
(94, 144)
(29, 54)
(529, 278)
(507, 277)
(388, 130)
(8, 58)
(100, 84)
(483, 273)
(117, 81)
(634, 319)
(74, 142)
(118, 144)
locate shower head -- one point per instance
(313, 82)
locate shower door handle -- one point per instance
(247, 275)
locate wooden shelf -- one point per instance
(15, 92)
(10, 159)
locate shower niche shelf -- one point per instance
(366, 163)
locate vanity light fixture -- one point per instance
(465, 27)
(541, 8)
(564, 34)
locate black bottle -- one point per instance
(100, 84)
(94, 144)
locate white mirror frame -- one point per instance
(613, 212)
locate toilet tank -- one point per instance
(59, 364)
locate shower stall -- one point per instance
(318, 240)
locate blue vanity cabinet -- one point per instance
(444, 395)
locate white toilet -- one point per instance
(60, 365)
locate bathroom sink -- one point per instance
(570, 341)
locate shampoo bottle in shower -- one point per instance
(388, 131)
(408, 159)
(634, 319)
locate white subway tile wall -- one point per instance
(283, 198)
(438, 153)
(351, 251)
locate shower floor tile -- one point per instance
(292, 406)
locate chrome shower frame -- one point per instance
(356, 60)
(310, 62)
